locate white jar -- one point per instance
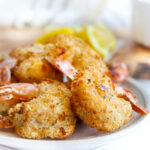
(140, 21)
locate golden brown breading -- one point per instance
(95, 102)
(25, 52)
(32, 66)
(48, 115)
(75, 50)
(35, 69)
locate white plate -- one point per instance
(84, 137)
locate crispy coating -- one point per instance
(48, 115)
(25, 52)
(95, 102)
(35, 69)
(32, 66)
(76, 51)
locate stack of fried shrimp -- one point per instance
(37, 103)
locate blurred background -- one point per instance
(23, 21)
(27, 13)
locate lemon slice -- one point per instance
(103, 35)
(94, 42)
(98, 37)
(45, 38)
(101, 39)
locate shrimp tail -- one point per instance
(129, 96)
(5, 70)
(119, 73)
(20, 91)
(64, 66)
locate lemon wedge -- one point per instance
(98, 37)
(102, 35)
(45, 38)
(95, 41)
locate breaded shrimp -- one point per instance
(25, 52)
(95, 102)
(31, 65)
(47, 115)
(35, 69)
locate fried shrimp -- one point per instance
(27, 51)
(35, 69)
(95, 102)
(47, 115)
(32, 65)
